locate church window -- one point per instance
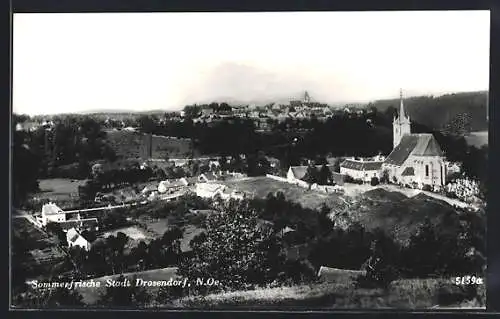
(426, 170)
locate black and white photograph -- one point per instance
(249, 160)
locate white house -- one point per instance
(209, 190)
(173, 185)
(75, 239)
(207, 177)
(52, 213)
(361, 169)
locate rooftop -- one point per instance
(361, 165)
(51, 209)
(414, 144)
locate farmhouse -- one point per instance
(209, 190)
(364, 170)
(75, 239)
(172, 186)
(207, 177)
(297, 173)
(52, 213)
(80, 224)
(416, 158)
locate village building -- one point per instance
(296, 174)
(172, 186)
(75, 239)
(209, 190)
(80, 224)
(207, 177)
(417, 159)
(362, 169)
(52, 213)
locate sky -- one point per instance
(80, 62)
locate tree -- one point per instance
(192, 111)
(325, 175)
(385, 176)
(311, 175)
(56, 229)
(25, 165)
(49, 298)
(146, 123)
(115, 251)
(234, 250)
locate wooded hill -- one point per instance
(438, 112)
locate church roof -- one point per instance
(427, 146)
(361, 165)
(409, 171)
(414, 144)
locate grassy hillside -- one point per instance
(395, 213)
(91, 294)
(437, 112)
(405, 294)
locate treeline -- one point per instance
(438, 112)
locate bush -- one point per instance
(452, 294)
(348, 179)
(374, 181)
(427, 188)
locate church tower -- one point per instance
(401, 125)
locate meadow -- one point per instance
(92, 294)
(261, 186)
(343, 294)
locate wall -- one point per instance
(278, 178)
(363, 175)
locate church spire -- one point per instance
(402, 114)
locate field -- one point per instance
(58, 189)
(477, 139)
(133, 232)
(261, 186)
(342, 294)
(130, 145)
(91, 294)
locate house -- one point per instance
(364, 170)
(297, 173)
(75, 239)
(80, 224)
(27, 126)
(237, 195)
(416, 158)
(150, 187)
(209, 190)
(207, 177)
(173, 185)
(52, 213)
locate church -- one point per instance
(416, 159)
